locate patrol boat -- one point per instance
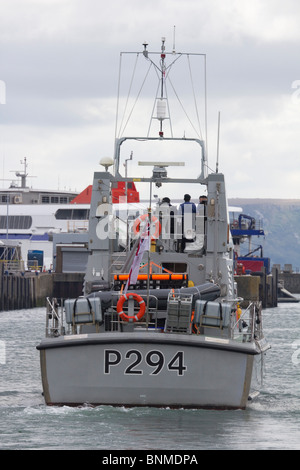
(159, 322)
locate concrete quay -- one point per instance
(289, 279)
(258, 286)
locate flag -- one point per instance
(144, 245)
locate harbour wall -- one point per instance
(288, 278)
(21, 290)
(290, 281)
(258, 286)
(24, 290)
(29, 290)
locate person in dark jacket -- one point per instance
(188, 213)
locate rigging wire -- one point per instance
(170, 121)
(134, 104)
(129, 91)
(195, 101)
(183, 109)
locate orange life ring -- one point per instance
(131, 318)
(141, 218)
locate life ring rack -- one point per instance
(139, 300)
(142, 218)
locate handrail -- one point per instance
(54, 321)
(153, 310)
(253, 317)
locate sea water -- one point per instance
(272, 421)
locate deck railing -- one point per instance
(244, 328)
(248, 326)
(54, 318)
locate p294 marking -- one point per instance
(133, 360)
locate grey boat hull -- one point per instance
(144, 369)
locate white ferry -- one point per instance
(29, 217)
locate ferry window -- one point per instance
(63, 200)
(72, 214)
(54, 199)
(63, 214)
(80, 214)
(16, 222)
(45, 199)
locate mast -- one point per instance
(24, 174)
(162, 103)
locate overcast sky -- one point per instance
(59, 63)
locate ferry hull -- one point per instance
(142, 370)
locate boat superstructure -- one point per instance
(29, 217)
(159, 322)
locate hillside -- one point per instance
(281, 223)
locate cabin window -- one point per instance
(48, 199)
(15, 222)
(72, 214)
(175, 267)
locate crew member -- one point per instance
(188, 212)
(167, 214)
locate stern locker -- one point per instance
(212, 314)
(83, 310)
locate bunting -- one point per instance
(144, 245)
